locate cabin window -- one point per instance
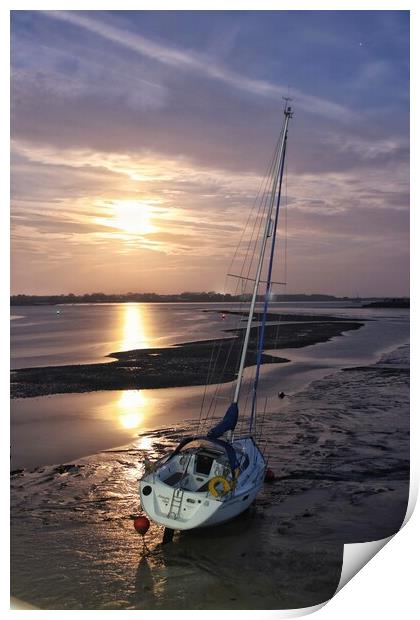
(203, 463)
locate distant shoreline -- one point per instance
(388, 303)
(201, 297)
(184, 364)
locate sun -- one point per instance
(132, 216)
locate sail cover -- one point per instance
(227, 423)
(227, 447)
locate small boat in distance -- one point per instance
(212, 478)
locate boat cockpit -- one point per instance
(196, 461)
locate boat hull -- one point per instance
(183, 509)
(210, 512)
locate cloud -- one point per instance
(73, 71)
(184, 203)
(103, 115)
(369, 149)
(194, 210)
(174, 175)
(191, 60)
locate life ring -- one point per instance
(213, 486)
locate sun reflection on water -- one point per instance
(133, 328)
(145, 442)
(131, 405)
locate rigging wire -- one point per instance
(263, 196)
(277, 332)
(285, 229)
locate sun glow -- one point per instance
(132, 216)
(129, 216)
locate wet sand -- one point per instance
(186, 364)
(340, 449)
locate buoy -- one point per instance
(141, 525)
(281, 394)
(270, 476)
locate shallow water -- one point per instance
(53, 429)
(87, 333)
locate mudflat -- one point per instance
(185, 364)
(340, 453)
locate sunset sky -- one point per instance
(139, 140)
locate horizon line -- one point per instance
(185, 293)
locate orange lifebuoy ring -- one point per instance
(213, 486)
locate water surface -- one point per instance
(59, 428)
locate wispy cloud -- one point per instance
(191, 60)
(369, 150)
(74, 71)
(174, 174)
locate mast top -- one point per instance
(288, 111)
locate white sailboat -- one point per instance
(212, 478)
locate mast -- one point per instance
(260, 348)
(269, 230)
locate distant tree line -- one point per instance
(71, 298)
(391, 302)
(203, 296)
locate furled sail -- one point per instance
(227, 423)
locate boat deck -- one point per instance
(177, 476)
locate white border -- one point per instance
(387, 586)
